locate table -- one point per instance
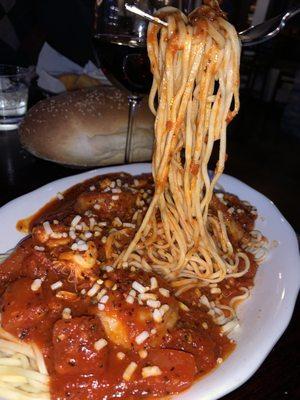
(278, 377)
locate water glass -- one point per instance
(14, 82)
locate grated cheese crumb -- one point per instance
(132, 293)
(153, 283)
(108, 268)
(157, 316)
(60, 196)
(129, 299)
(82, 247)
(36, 284)
(151, 371)
(66, 313)
(100, 344)
(128, 225)
(163, 309)
(164, 292)
(47, 228)
(142, 337)
(204, 325)
(215, 290)
(104, 299)
(93, 290)
(75, 220)
(143, 353)
(129, 371)
(72, 234)
(183, 306)
(56, 285)
(121, 355)
(147, 296)
(101, 294)
(39, 248)
(74, 247)
(153, 303)
(138, 287)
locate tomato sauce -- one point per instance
(90, 320)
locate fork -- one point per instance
(256, 34)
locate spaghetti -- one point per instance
(195, 64)
(23, 373)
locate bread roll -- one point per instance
(87, 128)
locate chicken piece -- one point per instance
(172, 380)
(51, 241)
(123, 321)
(10, 268)
(193, 342)
(79, 264)
(22, 311)
(122, 324)
(115, 327)
(36, 265)
(75, 346)
(107, 205)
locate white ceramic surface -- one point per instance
(263, 318)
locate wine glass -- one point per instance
(120, 44)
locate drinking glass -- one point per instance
(120, 45)
(14, 82)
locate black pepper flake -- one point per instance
(24, 334)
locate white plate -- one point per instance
(263, 318)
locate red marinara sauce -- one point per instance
(92, 323)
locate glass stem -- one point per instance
(133, 102)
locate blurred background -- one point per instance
(263, 143)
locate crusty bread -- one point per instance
(87, 128)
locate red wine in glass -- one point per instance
(120, 43)
(125, 61)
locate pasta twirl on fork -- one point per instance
(195, 64)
